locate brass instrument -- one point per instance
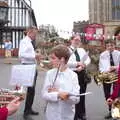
(105, 77)
(6, 96)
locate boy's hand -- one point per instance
(13, 106)
(109, 101)
(112, 68)
(52, 89)
(63, 95)
(79, 68)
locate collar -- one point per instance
(28, 38)
(72, 47)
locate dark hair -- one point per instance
(109, 41)
(72, 37)
(61, 51)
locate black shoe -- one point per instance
(30, 112)
(108, 116)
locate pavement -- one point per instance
(96, 107)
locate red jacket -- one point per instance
(116, 91)
(3, 113)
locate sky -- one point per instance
(60, 13)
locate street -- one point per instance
(95, 104)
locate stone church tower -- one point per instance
(106, 12)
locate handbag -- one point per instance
(87, 77)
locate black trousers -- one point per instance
(30, 95)
(107, 91)
(80, 107)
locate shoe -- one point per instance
(30, 112)
(108, 116)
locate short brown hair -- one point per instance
(72, 37)
(109, 41)
(61, 51)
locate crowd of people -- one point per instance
(66, 80)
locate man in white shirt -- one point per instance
(27, 56)
(78, 62)
(108, 60)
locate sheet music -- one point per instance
(78, 95)
(23, 75)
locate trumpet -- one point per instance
(105, 77)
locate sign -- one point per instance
(23, 75)
(99, 34)
(94, 32)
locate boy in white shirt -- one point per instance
(60, 82)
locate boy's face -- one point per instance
(76, 41)
(54, 60)
(110, 46)
(32, 34)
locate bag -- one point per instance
(87, 77)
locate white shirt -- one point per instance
(8, 45)
(26, 51)
(72, 63)
(104, 60)
(66, 81)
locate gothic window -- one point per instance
(115, 9)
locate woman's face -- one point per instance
(54, 60)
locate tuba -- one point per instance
(105, 77)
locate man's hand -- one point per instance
(38, 57)
(80, 64)
(113, 68)
(79, 69)
(13, 106)
(63, 95)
